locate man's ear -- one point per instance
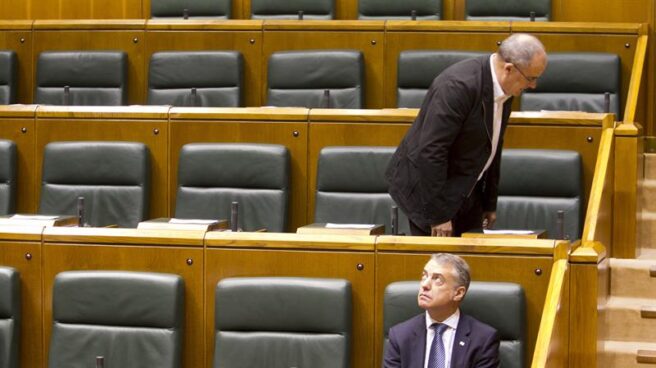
(460, 293)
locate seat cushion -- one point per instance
(211, 176)
(8, 77)
(93, 78)
(113, 177)
(10, 317)
(8, 164)
(504, 10)
(393, 9)
(213, 9)
(288, 9)
(215, 75)
(301, 79)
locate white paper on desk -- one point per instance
(191, 221)
(33, 217)
(349, 226)
(508, 232)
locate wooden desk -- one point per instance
(536, 234)
(319, 228)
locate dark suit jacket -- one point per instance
(407, 344)
(437, 164)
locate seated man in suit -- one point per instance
(442, 337)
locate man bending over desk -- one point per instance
(442, 337)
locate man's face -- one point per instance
(518, 78)
(439, 290)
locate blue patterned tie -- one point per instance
(437, 357)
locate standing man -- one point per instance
(445, 173)
(442, 337)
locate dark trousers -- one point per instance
(469, 217)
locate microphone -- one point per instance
(67, 96)
(532, 16)
(394, 213)
(185, 13)
(560, 224)
(326, 98)
(194, 97)
(300, 15)
(413, 14)
(234, 216)
(100, 362)
(606, 102)
(80, 212)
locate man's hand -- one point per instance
(489, 218)
(445, 229)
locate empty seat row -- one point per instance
(136, 319)
(114, 179)
(539, 10)
(322, 78)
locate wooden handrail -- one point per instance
(636, 79)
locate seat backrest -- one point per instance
(213, 175)
(418, 68)
(289, 9)
(10, 317)
(394, 9)
(211, 9)
(202, 78)
(7, 177)
(301, 79)
(92, 78)
(501, 305)
(113, 177)
(279, 322)
(132, 319)
(8, 77)
(577, 81)
(351, 187)
(504, 10)
(534, 185)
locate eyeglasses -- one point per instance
(528, 79)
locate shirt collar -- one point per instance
(451, 321)
(499, 96)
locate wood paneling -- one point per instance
(129, 41)
(628, 170)
(67, 257)
(153, 133)
(14, 254)
(291, 134)
(21, 130)
(17, 36)
(222, 263)
(247, 42)
(370, 42)
(86, 9)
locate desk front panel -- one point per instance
(20, 41)
(22, 132)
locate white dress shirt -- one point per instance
(447, 337)
(499, 99)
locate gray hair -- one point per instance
(459, 265)
(520, 49)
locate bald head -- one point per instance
(520, 49)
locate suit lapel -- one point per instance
(461, 342)
(487, 98)
(418, 348)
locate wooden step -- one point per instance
(646, 356)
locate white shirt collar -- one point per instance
(451, 321)
(499, 96)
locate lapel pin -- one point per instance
(462, 343)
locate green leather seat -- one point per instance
(577, 81)
(8, 185)
(418, 68)
(507, 10)
(534, 185)
(93, 78)
(288, 9)
(8, 77)
(10, 317)
(278, 322)
(301, 79)
(132, 319)
(394, 9)
(213, 175)
(113, 177)
(501, 305)
(196, 9)
(351, 187)
(215, 76)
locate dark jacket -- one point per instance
(437, 164)
(475, 344)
